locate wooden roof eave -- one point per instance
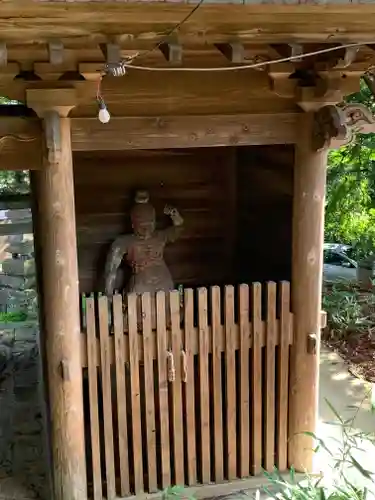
(39, 21)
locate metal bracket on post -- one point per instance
(311, 343)
(65, 371)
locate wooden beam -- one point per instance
(337, 22)
(20, 144)
(234, 52)
(172, 52)
(194, 342)
(88, 134)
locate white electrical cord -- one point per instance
(248, 66)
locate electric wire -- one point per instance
(168, 33)
(260, 64)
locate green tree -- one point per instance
(14, 182)
(350, 205)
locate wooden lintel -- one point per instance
(234, 52)
(20, 144)
(56, 52)
(172, 52)
(88, 134)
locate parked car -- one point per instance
(337, 264)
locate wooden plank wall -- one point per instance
(265, 202)
(236, 203)
(193, 180)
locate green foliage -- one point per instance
(13, 317)
(176, 493)
(348, 309)
(341, 485)
(14, 182)
(350, 205)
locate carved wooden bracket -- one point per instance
(51, 105)
(336, 126)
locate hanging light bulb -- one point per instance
(103, 115)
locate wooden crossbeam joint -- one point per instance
(172, 52)
(234, 52)
(111, 52)
(296, 50)
(52, 105)
(56, 52)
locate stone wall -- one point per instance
(23, 443)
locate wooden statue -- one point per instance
(144, 251)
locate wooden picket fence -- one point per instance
(202, 399)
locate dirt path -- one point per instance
(358, 351)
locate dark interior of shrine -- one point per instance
(236, 203)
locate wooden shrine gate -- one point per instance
(205, 400)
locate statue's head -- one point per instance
(143, 215)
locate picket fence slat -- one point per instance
(163, 415)
(118, 327)
(282, 376)
(217, 384)
(135, 394)
(149, 392)
(191, 450)
(93, 399)
(256, 380)
(230, 379)
(190, 393)
(177, 411)
(107, 399)
(244, 440)
(269, 459)
(203, 385)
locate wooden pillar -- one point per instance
(307, 266)
(57, 229)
